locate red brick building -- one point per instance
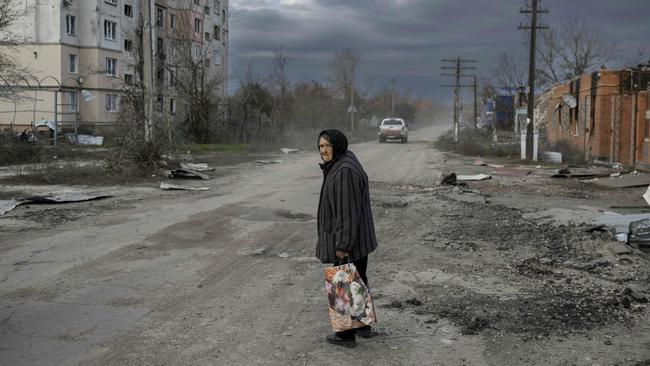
(603, 114)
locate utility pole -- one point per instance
(458, 74)
(147, 73)
(393, 100)
(475, 104)
(533, 10)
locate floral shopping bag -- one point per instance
(350, 304)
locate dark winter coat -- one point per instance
(344, 214)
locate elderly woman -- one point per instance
(346, 231)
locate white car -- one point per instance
(393, 128)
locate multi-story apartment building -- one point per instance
(90, 48)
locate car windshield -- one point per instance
(392, 122)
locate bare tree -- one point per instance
(576, 49)
(10, 70)
(195, 81)
(509, 73)
(344, 67)
(279, 85)
(251, 106)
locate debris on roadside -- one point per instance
(84, 139)
(64, 198)
(582, 173)
(197, 167)
(480, 162)
(173, 187)
(624, 181)
(639, 234)
(616, 166)
(475, 177)
(288, 151)
(269, 161)
(646, 196)
(185, 174)
(8, 205)
(620, 223)
(592, 228)
(449, 180)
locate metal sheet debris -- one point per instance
(197, 167)
(288, 151)
(583, 173)
(64, 198)
(8, 205)
(49, 124)
(174, 187)
(185, 174)
(646, 196)
(625, 181)
(474, 177)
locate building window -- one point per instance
(207, 36)
(196, 2)
(216, 7)
(70, 25)
(112, 2)
(160, 46)
(217, 32)
(196, 51)
(223, 14)
(160, 76)
(172, 21)
(128, 10)
(72, 62)
(110, 30)
(112, 102)
(197, 25)
(216, 55)
(72, 102)
(206, 10)
(128, 78)
(160, 16)
(172, 77)
(128, 45)
(172, 105)
(111, 66)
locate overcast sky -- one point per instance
(406, 39)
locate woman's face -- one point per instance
(326, 150)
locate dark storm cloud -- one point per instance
(405, 39)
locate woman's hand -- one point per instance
(341, 254)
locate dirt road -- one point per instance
(227, 276)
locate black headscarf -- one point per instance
(339, 146)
